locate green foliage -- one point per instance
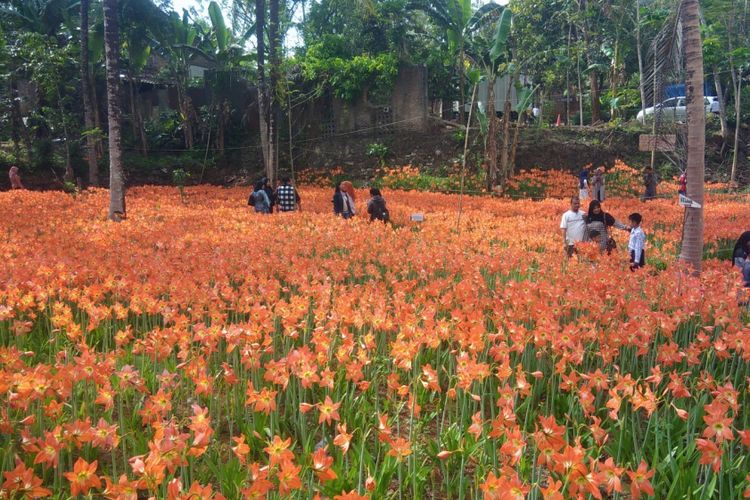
(379, 151)
(180, 177)
(348, 77)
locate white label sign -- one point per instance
(687, 202)
(417, 217)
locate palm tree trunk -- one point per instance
(111, 50)
(86, 91)
(692, 239)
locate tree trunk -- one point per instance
(491, 150)
(97, 115)
(514, 147)
(580, 90)
(69, 175)
(15, 119)
(111, 49)
(639, 52)
(263, 107)
(505, 152)
(86, 91)
(461, 81)
(737, 110)
(274, 44)
(692, 238)
(722, 105)
(595, 106)
(186, 111)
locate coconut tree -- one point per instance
(111, 50)
(692, 239)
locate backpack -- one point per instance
(251, 199)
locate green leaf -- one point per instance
(220, 29)
(524, 98)
(500, 39)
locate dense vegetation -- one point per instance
(593, 57)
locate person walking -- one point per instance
(649, 182)
(287, 197)
(573, 226)
(376, 206)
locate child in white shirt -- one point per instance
(637, 242)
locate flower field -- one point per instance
(198, 350)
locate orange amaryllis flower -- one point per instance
(710, 453)
(322, 463)
(288, 477)
(328, 411)
(22, 482)
(83, 477)
(278, 452)
(242, 449)
(342, 439)
(639, 480)
(400, 448)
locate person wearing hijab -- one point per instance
(338, 201)
(376, 206)
(598, 223)
(261, 203)
(348, 198)
(741, 257)
(15, 178)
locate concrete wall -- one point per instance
(409, 101)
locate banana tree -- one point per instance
(495, 61)
(176, 43)
(460, 21)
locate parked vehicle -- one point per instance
(672, 110)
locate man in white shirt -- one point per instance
(715, 106)
(573, 226)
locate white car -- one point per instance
(672, 110)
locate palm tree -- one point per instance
(692, 239)
(111, 49)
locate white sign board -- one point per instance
(687, 202)
(417, 217)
